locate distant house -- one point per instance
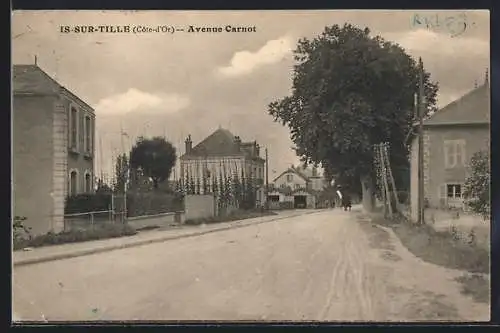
(53, 147)
(451, 136)
(297, 186)
(222, 153)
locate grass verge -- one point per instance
(102, 232)
(437, 247)
(475, 286)
(233, 216)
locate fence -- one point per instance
(112, 208)
(92, 220)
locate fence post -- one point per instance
(92, 220)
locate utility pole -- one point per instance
(122, 133)
(421, 108)
(267, 180)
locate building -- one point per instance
(451, 136)
(53, 148)
(222, 153)
(296, 187)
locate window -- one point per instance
(73, 128)
(88, 134)
(454, 191)
(289, 178)
(454, 153)
(73, 183)
(282, 185)
(88, 182)
(297, 186)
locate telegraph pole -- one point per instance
(421, 108)
(267, 179)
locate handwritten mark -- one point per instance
(455, 25)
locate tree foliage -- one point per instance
(156, 158)
(121, 173)
(350, 91)
(477, 184)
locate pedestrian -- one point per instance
(346, 201)
(338, 198)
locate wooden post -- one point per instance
(267, 180)
(381, 182)
(391, 176)
(384, 179)
(421, 218)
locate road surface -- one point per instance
(324, 266)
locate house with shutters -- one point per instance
(451, 136)
(223, 154)
(53, 147)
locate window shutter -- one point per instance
(442, 195)
(446, 148)
(462, 152)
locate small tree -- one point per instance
(102, 187)
(156, 158)
(121, 173)
(198, 188)
(477, 184)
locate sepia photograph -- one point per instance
(250, 166)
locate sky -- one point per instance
(181, 83)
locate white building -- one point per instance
(296, 187)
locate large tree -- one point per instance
(350, 91)
(155, 157)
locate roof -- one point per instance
(472, 108)
(295, 171)
(220, 143)
(31, 79)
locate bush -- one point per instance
(19, 230)
(233, 216)
(102, 232)
(151, 203)
(88, 202)
(477, 185)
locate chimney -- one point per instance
(237, 142)
(257, 150)
(189, 144)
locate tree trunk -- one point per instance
(368, 198)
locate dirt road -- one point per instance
(324, 266)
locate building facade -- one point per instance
(53, 148)
(297, 186)
(223, 154)
(451, 137)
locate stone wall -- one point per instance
(199, 206)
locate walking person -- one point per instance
(346, 201)
(338, 198)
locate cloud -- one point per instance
(136, 100)
(244, 62)
(439, 44)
